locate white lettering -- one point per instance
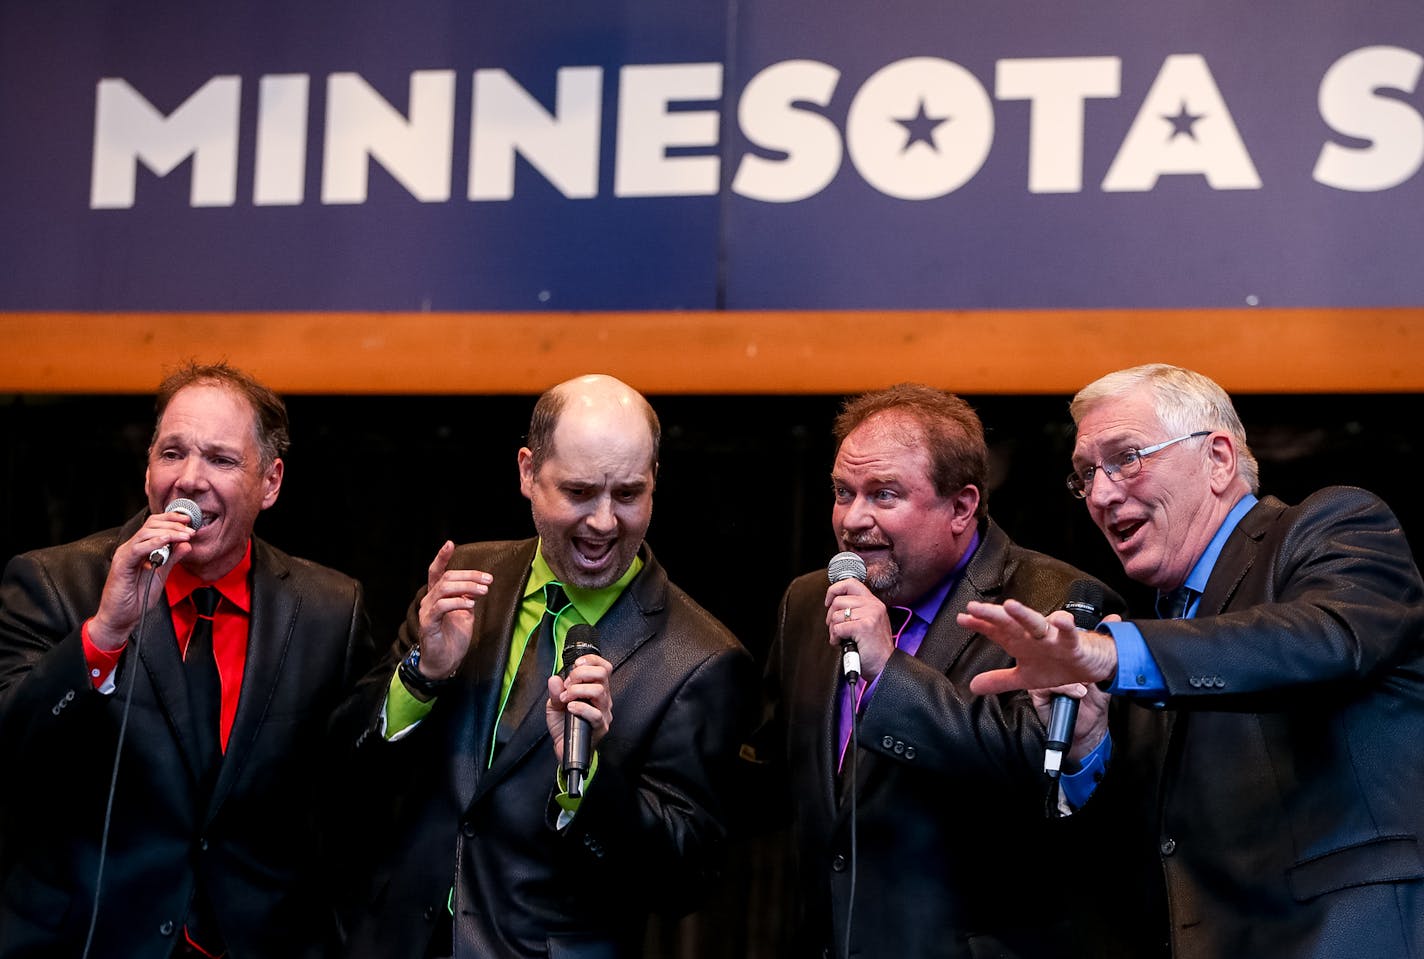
(1183, 126)
(281, 166)
(809, 143)
(127, 129)
(1056, 89)
(920, 128)
(360, 123)
(1392, 130)
(563, 147)
(646, 129)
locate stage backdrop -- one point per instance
(759, 158)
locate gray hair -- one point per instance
(1185, 401)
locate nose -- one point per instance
(1105, 490)
(193, 476)
(856, 516)
(602, 519)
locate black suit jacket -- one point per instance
(252, 842)
(649, 832)
(950, 791)
(1281, 791)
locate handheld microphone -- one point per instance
(195, 519)
(582, 640)
(848, 565)
(1085, 602)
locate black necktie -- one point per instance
(531, 678)
(204, 687)
(205, 700)
(1174, 605)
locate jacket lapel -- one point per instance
(946, 640)
(276, 606)
(1238, 555)
(158, 653)
(483, 676)
(626, 626)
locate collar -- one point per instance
(234, 586)
(1201, 572)
(591, 604)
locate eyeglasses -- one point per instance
(1125, 465)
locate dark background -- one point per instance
(375, 484)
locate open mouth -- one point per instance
(593, 553)
(1124, 532)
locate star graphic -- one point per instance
(1183, 122)
(921, 128)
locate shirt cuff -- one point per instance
(101, 663)
(1138, 675)
(403, 711)
(1077, 787)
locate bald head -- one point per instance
(599, 403)
(588, 473)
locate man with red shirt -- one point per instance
(208, 662)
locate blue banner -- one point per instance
(743, 154)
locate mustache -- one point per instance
(863, 541)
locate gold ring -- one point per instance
(847, 612)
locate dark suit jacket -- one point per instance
(1281, 793)
(950, 790)
(308, 643)
(650, 829)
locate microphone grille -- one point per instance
(1085, 602)
(846, 565)
(195, 515)
(581, 640)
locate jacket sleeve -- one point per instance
(44, 685)
(1332, 600)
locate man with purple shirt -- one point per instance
(910, 860)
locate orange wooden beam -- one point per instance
(984, 352)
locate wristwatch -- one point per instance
(419, 686)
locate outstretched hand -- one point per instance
(1048, 650)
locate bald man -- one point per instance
(480, 844)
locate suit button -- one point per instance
(1196, 682)
(909, 752)
(899, 748)
(1169, 846)
(166, 929)
(468, 828)
(888, 742)
(1218, 682)
(839, 863)
(203, 845)
(429, 913)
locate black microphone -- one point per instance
(848, 565)
(582, 640)
(195, 519)
(1085, 602)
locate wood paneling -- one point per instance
(1007, 352)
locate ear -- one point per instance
(272, 482)
(526, 472)
(1222, 457)
(965, 503)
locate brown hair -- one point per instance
(269, 413)
(949, 430)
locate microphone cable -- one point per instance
(851, 784)
(114, 777)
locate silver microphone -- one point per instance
(195, 519)
(848, 565)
